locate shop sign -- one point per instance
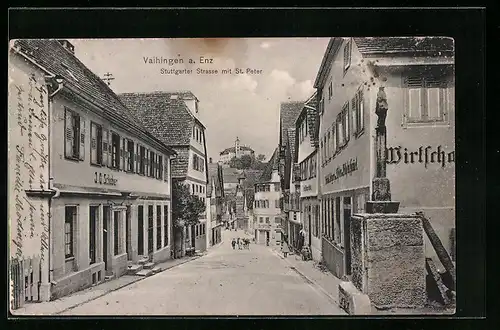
(423, 155)
(307, 187)
(105, 179)
(342, 170)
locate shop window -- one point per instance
(158, 227)
(116, 232)
(96, 144)
(69, 231)
(93, 218)
(74, 135)
(165, 225)
(150, 229)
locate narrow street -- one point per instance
(223, 282)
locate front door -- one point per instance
(105, 238)
(347, 234)
(267, 238)
(309, 223)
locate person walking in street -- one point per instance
(233, 243)
(238, 243)
(285, 248)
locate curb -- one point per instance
(125, 285)
(308, 279)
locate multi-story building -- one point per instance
(417, 77)
(235, 152)
(290, 193)
(215, 204)
(96, 185)
(267, 210)
(306, 144)
(173, 117)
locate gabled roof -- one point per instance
(310, 111)
(271, 166)
(80, 82)
(426, 46)
(291, 141)
(288, 114)
(215, 178)
(169, 119)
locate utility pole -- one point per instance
(107, 78)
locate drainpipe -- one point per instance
(50, 78)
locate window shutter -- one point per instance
(157, 166)
(137, 158)
(147, 160)
(68, 133)
(361, 111)
(81, 155)
(93, 143)
(347, 123)
(105, 143)
(165, 165)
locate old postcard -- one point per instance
(252, 176)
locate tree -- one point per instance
(261, 158)
(246, 161)
(186, 209)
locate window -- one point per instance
(330, 91)
(69, 234)
(152, 164)
(426, 99)
(115, 151)
(358, 112)
(196, 231)
(328, 149)
(340, 132)
(116, 229)
(203, 229)
(321, 106)
(277, 204)
(131, 156)
(316, 221)
(347, 56)
(94, 216)
(267, 187)
(74, 135)
(261, 220)
(346, 124)
(158, 227)
(277, 187)
(267, 219)
(338, 211)
(96, 144)
(322, 150)
(165, 225)
(142, 160)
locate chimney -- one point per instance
(67, 45)
(210, 160)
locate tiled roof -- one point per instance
(212, 177)
(413, 45)
(180, 163)
(311, 107)
(233, 150)
(272, 165)
(168, 119)
(288, 114)
(55, 58)
(291, 142)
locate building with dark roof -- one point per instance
(173, 117)
(94, 168)
(267, 204)
(415, 78)
(237, 151)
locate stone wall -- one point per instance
(391, 249)
(77, 281)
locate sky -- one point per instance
(231, 105)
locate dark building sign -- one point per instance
(424, 155)
(343, 170)
(104, 179)
(307, 187)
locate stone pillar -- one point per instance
(133, 232)
(388, 259)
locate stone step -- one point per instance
(145, 272)
(109, 277)
(143, 261)
(156, 269)
(149, 265)
(132, 269)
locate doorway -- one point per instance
(150, 229)
(140, 230)
(105, 238)
(267, 238)
(347, 233)
(309, 223)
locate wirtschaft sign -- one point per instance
(424, 155)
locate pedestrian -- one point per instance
(233, 243)
(238, 243)
(285, 248)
